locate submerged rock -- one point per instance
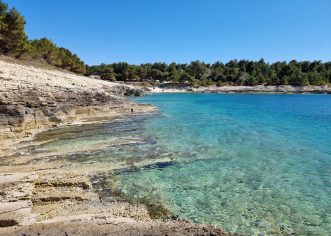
(55, 197)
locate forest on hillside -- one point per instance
(243, 72)
(14, 42)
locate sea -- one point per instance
(252, 164)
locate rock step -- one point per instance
(15, 198)
(59, 179)
(47, 195)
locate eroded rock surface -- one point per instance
(15, 198)
(33, 98)
(44, 195)
(62, 203)
(103, 225)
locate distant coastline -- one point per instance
(286, 89)
(216, 147)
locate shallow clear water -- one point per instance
(252, 164)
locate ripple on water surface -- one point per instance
(261, 165)
(252, 164)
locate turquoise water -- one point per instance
(252, 164)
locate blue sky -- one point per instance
(139, 31)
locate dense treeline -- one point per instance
(14, 42)
(234, 72)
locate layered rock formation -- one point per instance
(62, 203)
(33, 98)
(15, 198)
(51, 197)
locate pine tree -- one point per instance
(14, 39)
(3, 13)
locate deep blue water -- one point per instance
(254, 164)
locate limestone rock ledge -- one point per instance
(15, 199)
(34, 98)
(62, 203)
(52, 200)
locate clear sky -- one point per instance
(138, 31)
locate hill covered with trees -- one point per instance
(15, 43)
(234, 72)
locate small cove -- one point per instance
(255, 164)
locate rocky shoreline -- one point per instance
(281, 89)
(43, 196)
(33, 99)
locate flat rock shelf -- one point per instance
(52, 191)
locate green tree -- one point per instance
(284, 80)
(316, 78)
(197, 69)
(186, 78)
(273, 78)
(297, 78)
(3, 13)
(251, 81)
(231, 73)
(106, 72)
(45, 49)
(69, 61)
(13, 38)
